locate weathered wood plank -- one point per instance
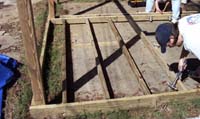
(86, 84)
(101, 44)
(72, 109)
(63, 66)
(44, 42)
(130, 59)
(99, 65)
(98, 18)
(32, 60)
(122, 14)
(51, 5)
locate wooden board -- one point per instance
(123, 80)
(112, 104)
(76, 19)
(87, 85)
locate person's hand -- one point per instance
(182, 64)
(158, 10)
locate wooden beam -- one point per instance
(32, 60)
(99, 63)
(101, 44)
(98, 18)
(63, 66)
(44, 43)
(51, 5)
(150, 101)
(130, 59)
(131, 14)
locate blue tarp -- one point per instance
(7, 66)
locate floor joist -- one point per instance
(63, 66)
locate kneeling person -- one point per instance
(187, 33)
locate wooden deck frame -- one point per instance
(111, 104)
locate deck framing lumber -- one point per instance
(44, 43)
(99, 63)
(101, 44)
(63, 66)
(77, 108)
(130, 59)
(98, 18)
(51, 5)
(32, 60)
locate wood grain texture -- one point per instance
(32, 60)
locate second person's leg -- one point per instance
(149, 5)
(176, 4)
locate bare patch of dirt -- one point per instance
(11, 44)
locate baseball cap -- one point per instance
(163, 33)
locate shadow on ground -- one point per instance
(192, 65)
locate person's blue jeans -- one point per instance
(149, 5)
(176, 4)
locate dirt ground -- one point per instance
(10, 35)
(11, 44)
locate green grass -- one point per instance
(39, 20)
(23, 100)
(180, 108)
(172, 110)
(59, 9)
(118, 114)
(53, 64)
(41, 17)
(196, 103)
